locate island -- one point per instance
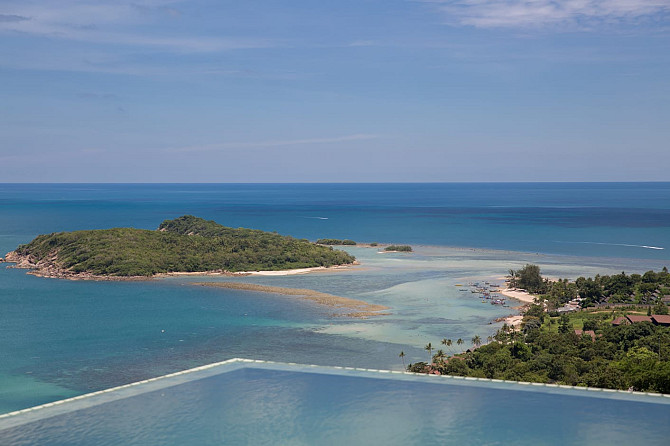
(398, 248)
(186, 244)
(334, 241)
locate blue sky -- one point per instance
(321, 91)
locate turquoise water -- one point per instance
(279, 404)
(63, 338)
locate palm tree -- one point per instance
(439, 356)
(460, 341)
(512, 279)
(447, 342)
(512, 333)
(476, 341)
(402, 356)
(429, 349)
(489, 339)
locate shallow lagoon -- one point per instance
(64, 338)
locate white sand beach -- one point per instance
(519, 295)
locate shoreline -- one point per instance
(361, 308)
(522, 296)
(526, 298)
(51, 271)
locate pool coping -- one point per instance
(28, 415)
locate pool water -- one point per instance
(244, 402)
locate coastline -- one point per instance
(360, 309)
(520, 295)
(52, 271)
(523, 296)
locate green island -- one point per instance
(334, 241)
(186, 244)
(398, 248)
(611, 345)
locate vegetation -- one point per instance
(528, 278)
(399, 248)
(548, 350)
(334, 241)
(648, 288)
(185, 244)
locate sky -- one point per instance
(334, 91)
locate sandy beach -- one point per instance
(360, 308)
(519, 295)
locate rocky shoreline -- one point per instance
(51, 270)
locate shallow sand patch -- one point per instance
(361, 309)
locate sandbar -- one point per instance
(360, 308)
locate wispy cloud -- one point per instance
(575, 14)
(276, 143)
(112, 22)
(11, 18)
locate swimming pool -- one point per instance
(246, 401)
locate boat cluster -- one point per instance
(486, 291)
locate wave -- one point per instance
(615, 244)
(318, 218)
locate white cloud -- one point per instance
(579, 14)
(111, 22)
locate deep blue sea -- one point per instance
(63, 338)
(589, 219)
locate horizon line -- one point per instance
(336, 182)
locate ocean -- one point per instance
(63, 338)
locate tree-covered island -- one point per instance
(185, 244)
(334, 241)
(398, 248)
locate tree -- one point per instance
(511, 281)
(564, 325)
(447, 342)
(460, 341)
(440, 356)
(660, 308)
(476, 341)
(429, 349)
(529, 277)
(402, 356)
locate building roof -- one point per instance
(620, 320)
(635, 319)
(588, 332)
(661, 319)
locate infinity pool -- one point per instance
(255, 402)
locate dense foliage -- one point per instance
(548, 350)
(399, 248)
(334, 241)
(528, 278)
(647, 288)
(185, 244)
